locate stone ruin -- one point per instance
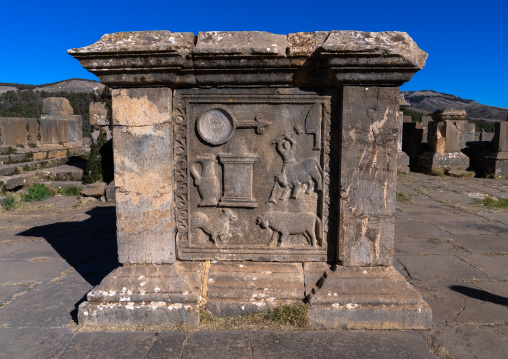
(254, 170)
(55, 134)
(491, 157)
(444, 140)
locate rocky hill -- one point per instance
(428, 100)
(72, 85)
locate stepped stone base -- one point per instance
(235, 288)
(348, 297)
(429, 160)
(363, 298)
(145, 294)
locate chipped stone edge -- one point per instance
(302, 44)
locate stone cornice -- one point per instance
(252, 58)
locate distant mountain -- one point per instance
(428, 100)
(72, 85)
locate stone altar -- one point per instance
(444, 138)
(254, 170)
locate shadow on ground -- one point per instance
(480, 294)
(89, 246)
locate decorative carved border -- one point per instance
(180, 167)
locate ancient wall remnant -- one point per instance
(251, 166)
(57, 126)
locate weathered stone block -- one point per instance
(56, 106)
(367, 175)
(144, 195)
(49, 130)
(40, 155)
(264, 286)
(98, 114)
(500, 141)
(57, 153)
(32, 127)
(13, 131)
(141, 106)
(153, 295)
(94, 189)
(363, 298)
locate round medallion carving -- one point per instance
(215, 126)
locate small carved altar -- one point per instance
(255, 170)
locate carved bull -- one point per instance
(286, 223)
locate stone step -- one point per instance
(12, 182)
(61, 173)
(14, 158)
(56, 185)
(18, 168)
(54, 177)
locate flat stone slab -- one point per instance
(7, 292)
(226, 344)
(338, 344)
(160, 294)
(363, 298)
(29, 271)
(468, 342)
(439, 267)
(110, 345)
(50, 306)
(481, 243)
(235, 288)
(169, 345)
(454, 302)
(33, 342)
(494, 265)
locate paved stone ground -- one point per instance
(452, 250)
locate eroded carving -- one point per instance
(216, 228)
(259, 124)
(313, 125)
(245, 167)
(294, 175)
(238, 177)
(283, 224)
(206, 181)
(215, 126)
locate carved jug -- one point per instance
(207, 182)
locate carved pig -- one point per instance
(286, 223)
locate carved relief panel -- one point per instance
(252, 174)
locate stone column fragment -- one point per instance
(143, 152)
(368, 175)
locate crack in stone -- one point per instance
(460, 312)
(184, 343)
(154, 340)
(250, 346)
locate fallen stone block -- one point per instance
(94, 190)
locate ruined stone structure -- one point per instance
(445, 134)
(254, 170)
(52, 135)
(491, 157)
(402, 157)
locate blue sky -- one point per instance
(467, 44)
